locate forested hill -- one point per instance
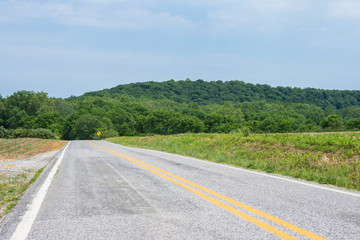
(218, 92)
(179, 107)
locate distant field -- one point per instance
(14, 183)
(332, 158)
(13, 149)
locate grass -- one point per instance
(12, 187)
(324, 158)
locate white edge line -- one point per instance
(253, 172)
(27, 220)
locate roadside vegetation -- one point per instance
(331, 158)
(13, 186)
(15, 180)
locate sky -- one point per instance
(68, 48)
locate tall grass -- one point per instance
(324, 158)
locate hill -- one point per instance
(218, 92)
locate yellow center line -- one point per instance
(239, 204)
(220, 204)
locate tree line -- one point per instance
(34, 114)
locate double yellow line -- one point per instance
(166, 175)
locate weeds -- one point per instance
(12, 187)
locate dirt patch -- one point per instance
(324, 160)
(7, 166)
(229, 154)
(51, 145)
(353, 159)
(207, 139)
(292, 149)
(149, 139)
(253, 146)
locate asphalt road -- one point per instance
(108, 191)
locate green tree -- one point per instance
(350, 112)
(191, 124)
(28, 101)
(332, 122)
(159, 122)
(330, 110)
(353, 124)
(86, 126)
(216, 122)
(282, 122)
(3, 132)
(232, 110)
(15, 118)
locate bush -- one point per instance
(280, 123)
(3, 132)
(352, 124)
(245, 131)
(332, 122)
(43, 133)
(217, 123)
(310, 127)
(26, 133)
(21, 133)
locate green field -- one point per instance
(332, 158)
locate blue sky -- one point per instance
(70, 47)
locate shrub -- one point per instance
(245, 131)
(24, 133)
(43, 133)
(332, 122)
(3, 132)
(353, 124)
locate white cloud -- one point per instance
(272, 5)
(347, 9)
(23, 11)
(257, 15)
(228, 18)
(110, 14)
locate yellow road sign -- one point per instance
(98, 133)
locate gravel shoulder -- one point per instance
(17, 175)
(35, 163)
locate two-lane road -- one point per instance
(108, 191)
